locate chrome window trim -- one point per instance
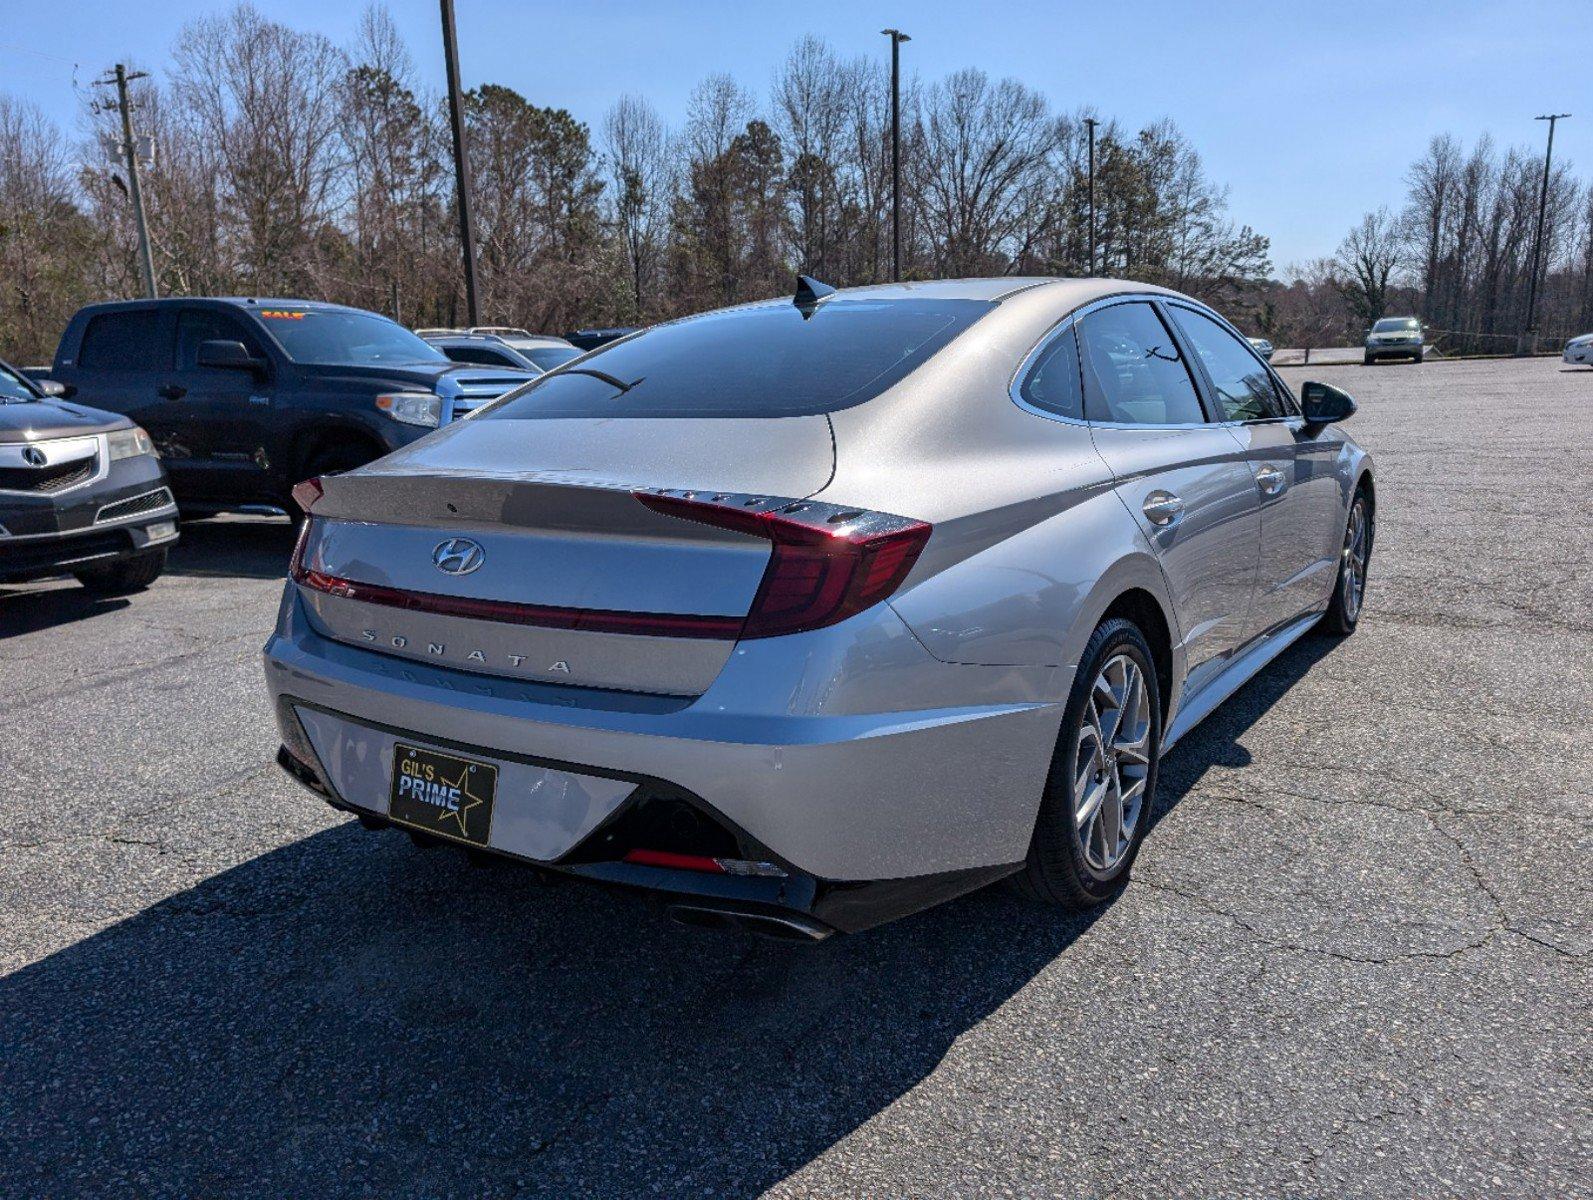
(1066, 322)
(1223, 322)
(102, 457)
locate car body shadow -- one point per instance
(240, 548)
(348, 1014)
(30, 608)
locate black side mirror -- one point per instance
(1325, 404)
(227, 356)
(50, 387)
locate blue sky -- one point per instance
(1310, 113)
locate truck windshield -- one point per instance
(338, 337)
(764, 360)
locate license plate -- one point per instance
(442, 794)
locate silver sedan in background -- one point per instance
(812, 612)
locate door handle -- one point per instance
(1162, 508)
(1270, 480)
(172, 391)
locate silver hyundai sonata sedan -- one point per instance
(813, 612)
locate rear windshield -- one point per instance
(338, 337)
(766, 360)
(548, 357)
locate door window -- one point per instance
(124, 341)
(197, 325)
(1133, 371)
(1244, 388)
(1052, 384)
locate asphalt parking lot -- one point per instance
(1354, 960)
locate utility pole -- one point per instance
(1537, 240)
(456, 116)
(1091, 123)
(146, 259)
(897, 37)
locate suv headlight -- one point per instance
(129, 443)
(412, 408)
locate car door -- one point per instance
(1183, 478)
(121, 364)
(1293, 468)
(226, 414)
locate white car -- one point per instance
(1579, 351)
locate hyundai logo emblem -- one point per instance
(33, 456)
(458, 556)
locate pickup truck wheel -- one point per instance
(132, 574)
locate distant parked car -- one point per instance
(535, 352)
(591, 339)
(1579, 350)
(246, 397)
(81, 492)
(1395, 337)
(1262, 347)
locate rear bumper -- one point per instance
(869, 808)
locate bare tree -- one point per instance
(1366, 262)
(980, 156)
(636, 151)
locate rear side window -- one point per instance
(475, 354)
(1244, 387)
(1052, 384)
(766, 360)
(124, 341)
(1133, 372)
(196, 325)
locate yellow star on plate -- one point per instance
(462, 812)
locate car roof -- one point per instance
(247, 302)
(1063, 289)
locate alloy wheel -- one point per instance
(1111, 762)
(1357, 550)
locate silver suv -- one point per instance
(812, 612)
(1395, 337)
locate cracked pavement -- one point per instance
(1354, 959)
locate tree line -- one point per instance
(288, 165)
(1458, 253)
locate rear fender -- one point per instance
(1032, 598)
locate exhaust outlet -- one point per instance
(790, 927)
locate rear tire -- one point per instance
(132, 574)
(1108, 750)
(1349, 588)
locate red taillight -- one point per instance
(307, 492)
(828, 563)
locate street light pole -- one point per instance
(1537, 240)
(456, 117)
(897, 37)
(146, 258)
(1091, 122)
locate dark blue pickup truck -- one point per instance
(245, 397)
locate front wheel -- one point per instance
(1349, 592)
(131, 574)
(1102, 784)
